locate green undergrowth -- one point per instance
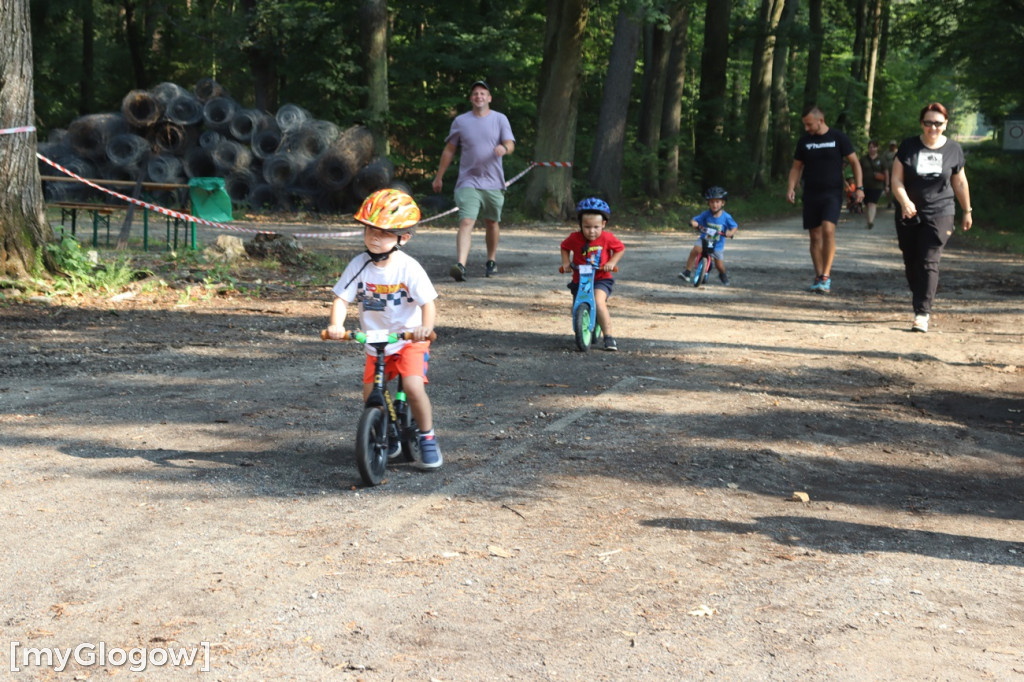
(81, 271)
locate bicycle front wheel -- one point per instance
(581, 326)
(372, 446)
(701, 273)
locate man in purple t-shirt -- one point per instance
(485, 136)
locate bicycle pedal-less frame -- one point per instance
(386, 421)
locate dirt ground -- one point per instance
(178, 470)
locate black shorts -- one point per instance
(821, 207)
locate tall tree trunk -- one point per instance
(23, 226)
(135, 49)
(672, 112)
(759, 106)
(87, 83)
(781, 142)
(813, 82)
(883, 50)
(605, 175)
(657, 45)
(549, 192)
(373, 19)
(711, 107)
(874, 31)
(262, 63)
(853, 99)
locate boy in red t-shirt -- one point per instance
(579, 247)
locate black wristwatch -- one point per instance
(861, 188)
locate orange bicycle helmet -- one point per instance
(389, 209)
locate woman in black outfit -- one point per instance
(926, 177)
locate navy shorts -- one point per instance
(604, 285)
(822, 207)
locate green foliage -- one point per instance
(978, 42)
(80, 273)
(965, 54)
(996, 179)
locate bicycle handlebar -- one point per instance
(360, 337)
(573, 266)
(716, 234)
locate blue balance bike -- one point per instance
(584, 307)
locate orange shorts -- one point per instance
(411, 360)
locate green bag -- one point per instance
(210, 200)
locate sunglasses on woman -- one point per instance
(933, 124)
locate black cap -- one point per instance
(482, 84)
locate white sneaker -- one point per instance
(920, 323)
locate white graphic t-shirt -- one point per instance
(389, 297)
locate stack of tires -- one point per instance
(286, 161)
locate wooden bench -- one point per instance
(101, 212)
(100, 215)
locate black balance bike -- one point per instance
(386, 425)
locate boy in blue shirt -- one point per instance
(717, 219)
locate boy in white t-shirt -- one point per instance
(394, 294)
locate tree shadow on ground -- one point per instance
(844, 537)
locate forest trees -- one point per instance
(549, 192)
(373, 20)
(711, 114)
(606, 159)
(713, 96)
(23, 229)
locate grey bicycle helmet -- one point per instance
(715, 192)
(593, 205)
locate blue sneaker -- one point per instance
(822, 284)
(430, 453)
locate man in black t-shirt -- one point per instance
(819, 160)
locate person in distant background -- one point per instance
(876, 179)
(926, 178)
(888, 156)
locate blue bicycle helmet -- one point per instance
(593, 205)
(716, 192)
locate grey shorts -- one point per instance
(482, 204)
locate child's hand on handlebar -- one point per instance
(608, 267)
(336, 332)
(422, 333)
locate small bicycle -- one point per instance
(584, 307)
(387, 429)
(709, 238)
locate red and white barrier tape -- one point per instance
(21, 129)
(191, 218)
(221, 226)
